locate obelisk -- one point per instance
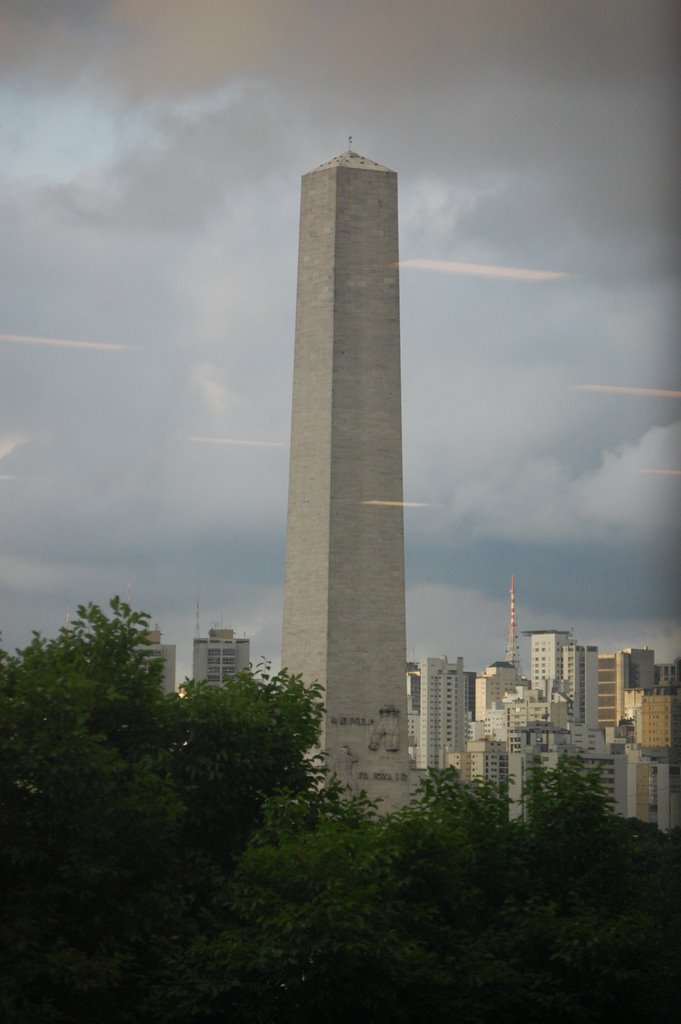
(344, 602)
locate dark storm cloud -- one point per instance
(595, 41)
(527, 135)
(645, 579)
(580, 93)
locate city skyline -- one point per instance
(146, 331)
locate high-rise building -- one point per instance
(630, 669)
(580, 674)
(344, 601)
(413, 708)
(470, 682)
(444, 711)
(660, 719)
(165, 653)
(546, 658)
(653, 790)
(493, 684)
(668, 673)
(482, 759)
(220, 655)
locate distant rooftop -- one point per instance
(539, 632)
(352, 159)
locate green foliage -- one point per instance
(574, 835)
(123, 810)
(445, 911)
(175, 860)
(657, 873)
(232, 746)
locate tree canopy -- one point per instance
(123, 810)
(174, 858)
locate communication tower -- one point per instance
(512, 647)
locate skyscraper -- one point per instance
(546, 658)
(444, 711)
(580, 676)
(154, 648)
(344, 618)
(630, 669)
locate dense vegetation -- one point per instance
(173, 859)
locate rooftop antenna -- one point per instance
(130, 587)
(197, 627)
(512, 648)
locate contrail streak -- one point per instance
(238, 441)
(29, 339)
(483, 270)
(400, 504)
(616, 390)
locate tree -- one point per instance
(123, 810)
(175, 860)
(445, 911)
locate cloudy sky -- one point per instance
(150, 162)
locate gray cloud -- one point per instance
(151, 200)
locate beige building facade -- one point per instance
(660, 720)
(629, 669)
(493, 684)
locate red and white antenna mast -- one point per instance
(512, 648)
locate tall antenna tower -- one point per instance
(197, 627)
(512, 647)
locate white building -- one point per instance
(166, 653)
(444, 711)
(496, 722)
(580, 675)
(413, 709)
(546, 658)
(475, 730)
(586, 740)
(547, 750)
(220, 655)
